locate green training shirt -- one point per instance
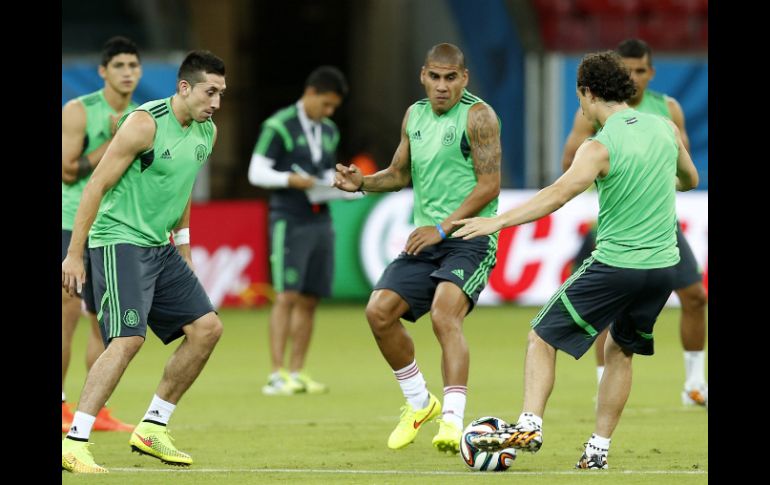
(98, 130)
(146, 203)
(637, 200)
(442, 167)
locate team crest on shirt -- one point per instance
(200, 153)
(449, 135)
(131, 318)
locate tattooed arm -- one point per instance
(393, 178)
(484, 137)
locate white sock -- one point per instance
(81, 426)
(413, 385)
(599, 373)
(694, 368)
(597, 445)
(159, 411)
(454, 405)
(63, 397)
(531, 419)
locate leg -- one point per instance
(187, 362)
(106, 373)
(280, 318)
(95, 342)
(693, 320)
(70, 313)
(614, 388)
(539, 374)
(383, 313)
(450, 305)
(301, 329)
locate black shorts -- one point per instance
(467, 264)
(597, 295)
(302, 256)
(137, 287)
(686, 270)
(87, 293)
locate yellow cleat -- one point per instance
(410, 422)
(155, 440)
(311, 386)
(77, 458)
(448, 437)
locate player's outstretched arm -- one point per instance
(393, 178)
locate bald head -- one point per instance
(446, 54)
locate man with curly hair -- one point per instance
(637, 160)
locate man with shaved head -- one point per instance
(450, 151)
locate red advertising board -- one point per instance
(230, 251)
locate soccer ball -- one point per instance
(483, 460)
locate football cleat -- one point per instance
(310, 386)
(282, 384)
(524, 436)
(448, 437)
(696, 396)
(411, 421)
(593, 462)
(154, 440)
(77, 458)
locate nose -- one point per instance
(215, 100)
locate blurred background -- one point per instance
(522, 57)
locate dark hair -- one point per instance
(446, 53)
(116, 46)
(606, 76)
(328, 78)
(198, 63)
(635, 48)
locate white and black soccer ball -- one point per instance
(483, 460)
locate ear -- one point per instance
(467, 77)
(422, 75)
(102, 71)
(183, 87)
(652, 73)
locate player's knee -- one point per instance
(287, 298)
(444, 323)
(378, 317)
(694, 298)
(206, 330)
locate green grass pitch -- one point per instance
(238, 436)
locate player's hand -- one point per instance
(186, 253)
(420, 238)
(73, 274)
(348, 178)
(476, 226)
(297, 181)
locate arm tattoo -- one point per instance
(484, 137)
(394, 177)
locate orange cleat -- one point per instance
(105, 422)
(66, 417)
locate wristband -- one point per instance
(182, 236)
(441, 231)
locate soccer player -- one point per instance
(88, 125)
(295, 150)
(450, 150)
(688, 285)
(142, 189)
(637, 161)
